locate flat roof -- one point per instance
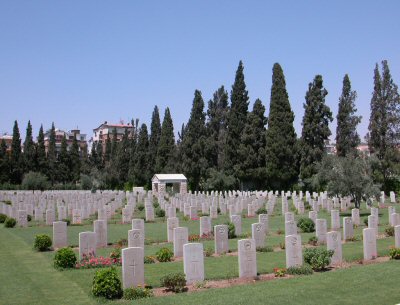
(169, 177)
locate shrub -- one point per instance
(306, 225)
(313, 240)
(10, 222)
(67, 221)
(185, 218)
(194, 237)
(279, 232)
(231, 230)
(137, 293)
(282, 246)
(116, 253)
(107, 284)
(301, 270)
(160, 212)
(122, 242)
(174, 282)
(140, 207)
(262, 211)
(208, 251)
(279, 272)
(164, 255)
(34, 181)
(91, 261)
(365, 221)
(149, 259)
(318, 258)
(156, 204)
(265, 249)
(394, 253)
(389, 231)
(3, 218)
(29, 217)
(65, 258)
(42, 242)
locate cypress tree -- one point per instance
(15, 157)
(100, 155)
(123, 155)
(75, 160)
(236, 121)
(315, 132)
(4, 163)
(132, 151)
(141, 173)
(52, 156)
(216, 128)
(280, 149)
(29, 150)
(114, 144)
(384, 132)
(41, 162)
(193, 156)
(107, 152)
(155, 134)
(347, 138)
(64, 170)
(166, 147)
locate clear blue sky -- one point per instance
(79, 63)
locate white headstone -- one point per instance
(369, 243)
(294, 255)
(60, 234)
(247, 258)
(221, 239)
(181, 235)
(87, 244)
(193, 262)
(334, 242)
(132, 267)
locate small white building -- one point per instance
(159, 183)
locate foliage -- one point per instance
(265, 249)
(107, 284)
(67, 221)
(174, 282)
(280, 272)
(91, 261)
(135, 293)
(3, 218)
(160, 212)
(300, 270)
(306, 225)
(389, 231)
(149, 259)
(194, 237)
(10, 222)
(262, 211)
(166, 147)
(42, 242)
(35, 181)
(164, 255)
(116, 253)
(219, 181)
(231, 230)
(208, 251)
(65, 258)
(318, 258)
(313, 240)
(140, 207)
(394, 253)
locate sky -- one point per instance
(80, 63)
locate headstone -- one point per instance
(100, 228)
(87, 244)
(397, 236)
(369, 244)
(60, 234)
(193, 262)
(289, 216)
(348, 228)
(181, 235)
(355, 216)
(132, 267)
(205, 225)
(22, 218)
(313, 216)
(294, 255)
(290, 228)
(221, 239)
(375, 212)
(138, 224)
(135, 238)
(149, 213)
(264, 219)
(320, 230)
(335, 220)
(258, 234)
(247, 258)
(76, 216)
(193, 212)
(237, 221)
(213, 212)
(334, 242)
(172, 223)
(126, 215)
(394, 219)
(101, 213)
(50, 217)
(38, 214)
(373, 223)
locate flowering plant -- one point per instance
(91, 261)
(280, 272)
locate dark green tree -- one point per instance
(236, 121)
(280, 150)
(384, 125)
(155, 134)
(347, 138)
(41, 161)
(132, 151)
(64, 166)
(141, 170)
(4, 163)
(315, 132)
(193, 156)
(165, 161)
(75, 160)
(29, 150)
(52, 156)
(107, 152)
(123, 155)
(16, 163)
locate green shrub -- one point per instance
(10, 222)
(135, 293)
(116, 253)
(3, 218)
(160, 212)
(394, 253)
(65, 258)
(365, 221)
(318, 258)
(208, 251)
(156, 204)
(42, 242)
(29, 217)
(174, 282)
(107, 284)
(148, 259)
(262, 211)
(301, 270)
(140, 207)
(67, 221)
(306, 225)
(389, 231)
(122, 242)
(313, 240)
(164, 255)
(231, 230)
(265, 249)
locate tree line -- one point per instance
(224, 144)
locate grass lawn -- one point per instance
(28, 277)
